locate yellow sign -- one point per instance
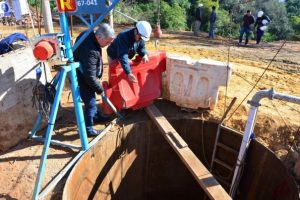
(66, 5)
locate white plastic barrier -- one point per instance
(195, 84)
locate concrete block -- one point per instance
(17, 78)
(195, 83)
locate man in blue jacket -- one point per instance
(212, 20)
(129, 43)
(89, 54)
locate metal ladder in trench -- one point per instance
(226, 181)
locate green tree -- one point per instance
(228, 4)
(295, 20)
(172, 17)
(185, 4)
(293, 7)
(137, 11)
(224, 26)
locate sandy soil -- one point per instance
(277, 122)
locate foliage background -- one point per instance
(179, 15)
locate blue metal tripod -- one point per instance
(84, 7)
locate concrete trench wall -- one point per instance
(137, 163)
(17, 78)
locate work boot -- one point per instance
(94, 132)
(100, 119)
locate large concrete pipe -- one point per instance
(135, 162)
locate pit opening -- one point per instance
(134, 161)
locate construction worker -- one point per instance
(248, 19)
(261, 23)
(89, 54)
(212, 20)
(198, 19)
(129, 43)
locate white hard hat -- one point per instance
(263, 28)
(200, 5)
(260, 13)
(264, 21)
(144, 29)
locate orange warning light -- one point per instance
(66, 5)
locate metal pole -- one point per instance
(78, 107)
(48, 24)
(74, 83)
(271, 94)
(126, 16)
(36, 125)
(111, 17)
(244, 146)
(31, 20)
(111, 105)
(49, 131)
(38, 16)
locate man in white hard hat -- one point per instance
(129, 43)
(261, 22)
(198, 19)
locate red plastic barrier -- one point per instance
(125, 94)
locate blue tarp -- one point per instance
(7, 42)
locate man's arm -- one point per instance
(256, 22)
(89, 67)
(252, 20)
(123, 58)
(123, 55)
(267, 18)
(141, 50)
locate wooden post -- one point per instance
(48, 24)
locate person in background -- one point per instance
(248, 19)
(129, 43)
(261, 22)
(198, 19)
(89, 54)
(212, 20)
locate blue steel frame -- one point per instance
(68, 69)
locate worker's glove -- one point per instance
(145, 58)
(132, 78)
(102, 94)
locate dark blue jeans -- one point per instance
(242, 31)
(259, 34)
(88, 97)
(212, 30)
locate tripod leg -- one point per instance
(78, 107)
(36, 125)
(50, 127)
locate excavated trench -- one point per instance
(134, 161)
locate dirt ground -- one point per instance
(277, 124)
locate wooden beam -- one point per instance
(205, 179)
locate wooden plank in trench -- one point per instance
(206, 180)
